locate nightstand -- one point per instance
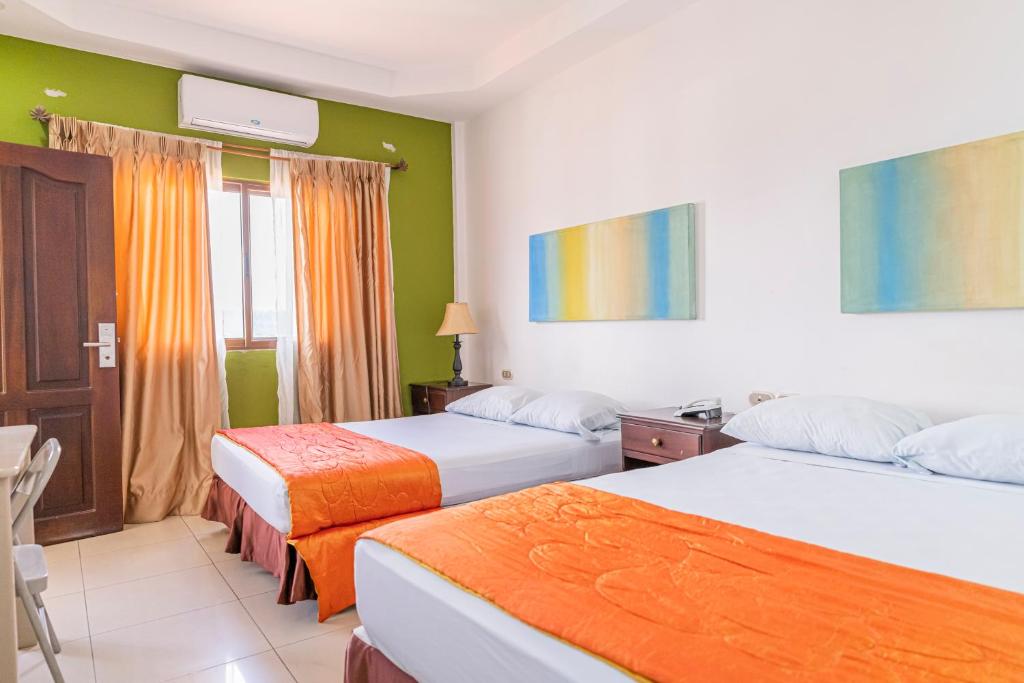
(432, 397)
(655, 437)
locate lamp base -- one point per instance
(457, 380)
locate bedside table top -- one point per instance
(443, 384)
(663, 418)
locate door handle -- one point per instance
(107, 352)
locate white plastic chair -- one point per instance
(30, 573)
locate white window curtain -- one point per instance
(287, 333)
(215, 184)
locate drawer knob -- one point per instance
(656, 442)
(424, 399)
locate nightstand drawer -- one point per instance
(439, 398)
(662, 443)
(432, 397)
(420, 400)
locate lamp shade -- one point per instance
(457, 320)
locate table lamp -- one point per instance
(457, 320)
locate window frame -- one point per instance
(246, 189)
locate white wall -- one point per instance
(749, 108)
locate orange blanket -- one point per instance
(340, 484)
(668, 596)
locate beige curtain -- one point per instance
(169, 385)
(347, 364)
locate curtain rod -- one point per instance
(264, 153)
(40, 114)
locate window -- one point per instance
(244, 259)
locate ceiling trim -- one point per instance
(575, 30)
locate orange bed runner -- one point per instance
(340, 484)
(668, 596)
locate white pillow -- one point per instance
(577, 412)
(834, 425)
(496, 403)
(988, 447)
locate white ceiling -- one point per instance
(393, 34)
(444, 59)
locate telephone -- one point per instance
(706, 408)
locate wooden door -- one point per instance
(57, 232)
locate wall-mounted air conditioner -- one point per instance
(230, 109)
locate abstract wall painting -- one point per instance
(941, 230)
(639, 267)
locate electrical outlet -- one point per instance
(506, 374)
(760, 397)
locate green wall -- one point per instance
(127, 93)
(252, 388)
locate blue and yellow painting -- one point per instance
(941, 230)
(639, 267)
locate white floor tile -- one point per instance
(68, 614)
(135, 535)
(148, 604)
(64, 576)
(213, 543)
(135, 602)
(284, 624)
(317, 660)
(142, 561)
(75, 662)
(178, 645)
(61, 551)
(247, 578)
(200, 526)
(261, 668)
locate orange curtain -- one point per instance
(170, 402)
(347, 360)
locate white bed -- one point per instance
(962, 528)
(475, 458)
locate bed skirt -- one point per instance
(366, 664)
(259, 542)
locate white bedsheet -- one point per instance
(475, 458)
(961, 528)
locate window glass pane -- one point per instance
(263, 261)
(226, 261)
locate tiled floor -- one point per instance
(163, 601)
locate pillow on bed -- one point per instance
(988, 447)
(833, 425)
(496, 403)
(577, 412)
